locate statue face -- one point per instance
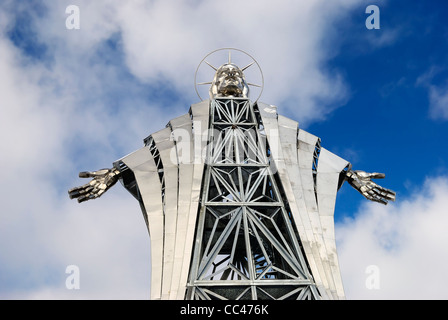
(229, 81)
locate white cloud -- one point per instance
(166, 40)
(406, 241)
(383, 38)
(42, 127)
(83, 106)
(438, 94)
(438, 102)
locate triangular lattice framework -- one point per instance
(247, 246)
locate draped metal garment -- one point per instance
(166, 177)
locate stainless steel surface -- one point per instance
(245, 234)
(288, 130)
(238, 200)
(362, 182)
(164, 145)
(329, 169)
(181, 136)
(144, 168)
(199, 113)
(102, 181)
(229, 79)
(303, 170)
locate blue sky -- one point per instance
(76, 100)
(388, 123)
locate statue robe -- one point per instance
(165, 176)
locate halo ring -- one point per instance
(228, 49)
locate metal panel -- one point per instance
(271, 126)
(142, 164)
(245, 233)
(172, 224)
(329, 169)
(181, 135)
(306, 149)
(288, 135)
(200, 118)
(165, 146)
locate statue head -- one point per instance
(229, 81)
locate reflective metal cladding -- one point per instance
(238, 200)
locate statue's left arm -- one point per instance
(361, 181)
(102, 181)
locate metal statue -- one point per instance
(229, 82)
(238, 200)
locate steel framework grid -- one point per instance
(246, 243)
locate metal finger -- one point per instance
(376, 175)
(88, 189)
(389, 194)
(76, 192)
(377, 198)
(377, 190)
(93, 174)
(86, 174)
(90, 196)
(83, 198)
(100, 172)
(381, 200)
(386, 190)
(73, 193)
(374, 196)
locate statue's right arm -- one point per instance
(102, 181)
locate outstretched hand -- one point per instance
(361, 181)
(102, 180)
